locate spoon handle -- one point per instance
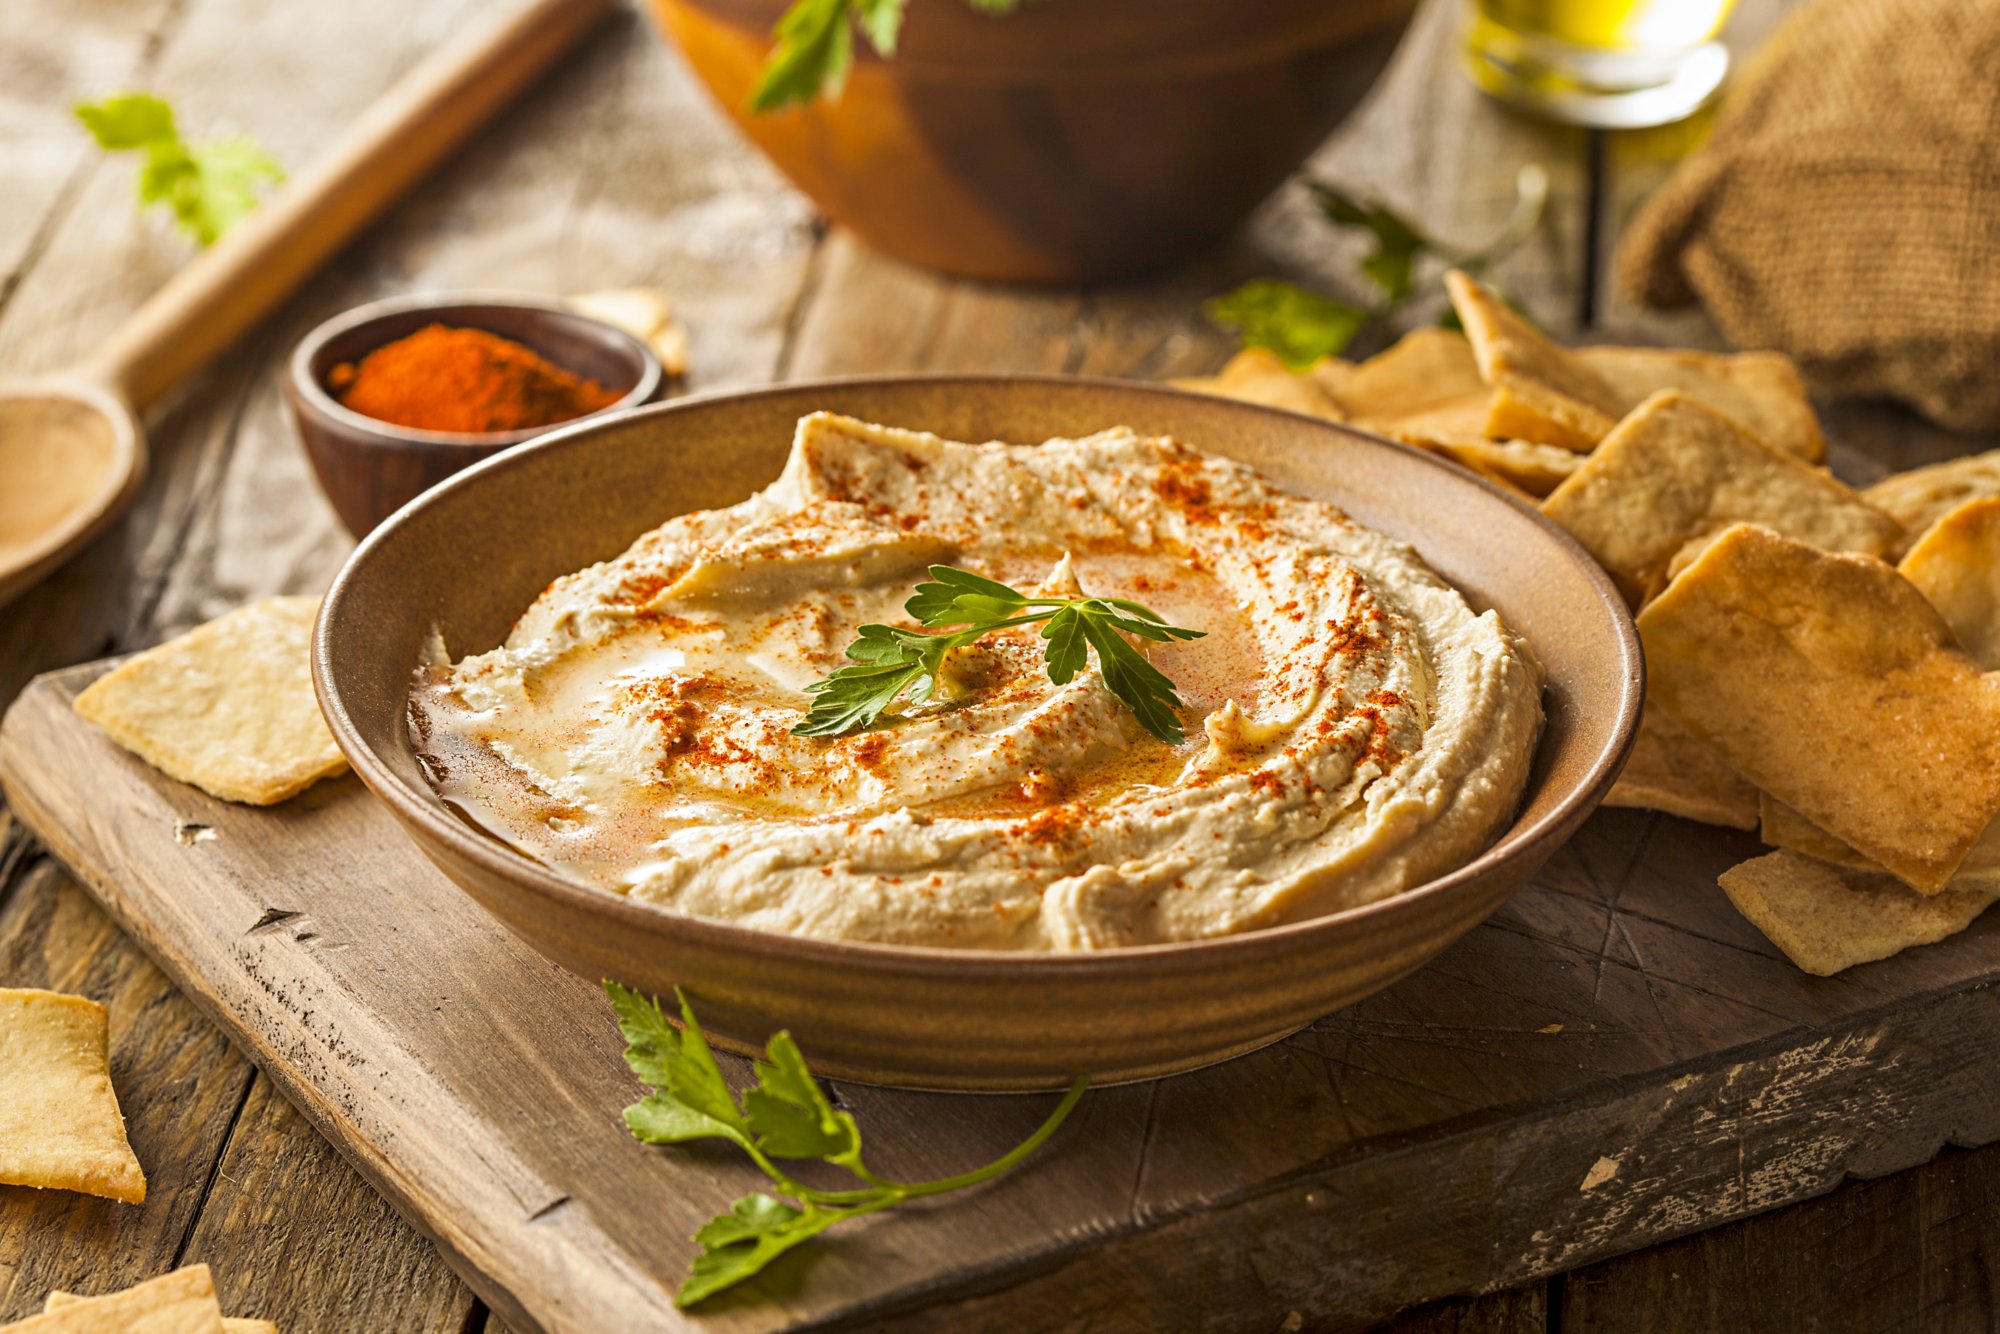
(236, 281)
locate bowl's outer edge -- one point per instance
(469, 555)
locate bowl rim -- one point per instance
(312, 396)
(874, 956)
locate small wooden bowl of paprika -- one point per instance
(384, 394)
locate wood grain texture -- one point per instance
(328, 1252)
(1614, 1059)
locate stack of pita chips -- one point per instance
(1799, 683)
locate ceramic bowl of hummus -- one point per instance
(590, 679)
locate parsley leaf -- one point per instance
(1300, 326)
(209, 185)
(815, 45)
(1303, 326)
(889, 661)
(784, 1115)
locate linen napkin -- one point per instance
(1846, 209)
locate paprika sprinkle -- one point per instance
(446, 379)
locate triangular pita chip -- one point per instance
(182, 1302)
(1541, 392)
(228, 706)
(1428, 381)
(60, 1127)
(1670, 771)
(1919, 498)
(1829, 682)
(230, 1324)
(1956, 564)
(1762, 391)
(1826, 918)
(1675, 472)
(1259, 375)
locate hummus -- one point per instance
(1353, 727)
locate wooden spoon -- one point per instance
(72, 450)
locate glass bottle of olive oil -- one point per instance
(1617, 64)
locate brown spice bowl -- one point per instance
(1057, 143)
(470, 556)
(369, 469)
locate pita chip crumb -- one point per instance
(1956, 564)
(230, 1324)
(1919, 498)
(1826, 918)
(1760, 390)
(1829, 682)
(60, 1127)
(1541, 392)
(182, 1302)
(1676, 471)
(1670, 771)
(228, 706)
(644, 313)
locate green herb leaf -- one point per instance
(1300, 326)
(125, 121)
(789, 1112)
(813, 54)
(756, 1231)
(785, 1115)
(882, 20)
(690, 1099)
(890, 661)
(209, 186)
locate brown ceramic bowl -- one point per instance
(369, 469)
(1067, 141)
(472, 554)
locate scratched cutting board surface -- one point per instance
(1613, 1059)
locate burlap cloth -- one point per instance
(1846, 209)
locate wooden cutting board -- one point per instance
(1615, 1058)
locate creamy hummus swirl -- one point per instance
(1354, 728)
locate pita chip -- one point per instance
(1670, 771)
(228, 706)
(1676, 471)
(182, 1302)
(1534, 470)
(1826, 918)
(1540, 391)
(60, 1127)
(1782, 827)
(1829, 682)
(230, 1324)
(1762, 391)
(1919, 498)
(1428, 381)
(1259, 375)
(1956, 564)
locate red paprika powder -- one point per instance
(445, 379)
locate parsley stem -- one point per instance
(911, 1190)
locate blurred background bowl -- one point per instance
(369, 468)
(1067, 141)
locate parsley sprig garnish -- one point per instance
(1303, 326)
(888, 661)
(785, 1115)
(210, 185)
(814, 49)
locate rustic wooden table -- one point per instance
(617, 172)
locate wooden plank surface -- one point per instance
(1614, 1059)
(619, 172)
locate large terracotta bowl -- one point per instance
(468, 556)
(1070, 140)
